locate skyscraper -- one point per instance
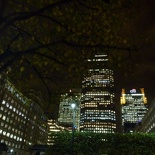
(66, 112)
(134, 107)
(97, 105)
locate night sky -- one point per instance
(142, 31)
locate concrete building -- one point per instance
(97, 104)
(134, 107)
(22, 122)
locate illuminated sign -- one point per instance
(133, 91)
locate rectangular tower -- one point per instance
(66, 113)
(134, 107)
(97, 105)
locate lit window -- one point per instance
(17, 111)
(7, 104)
(6, 142)
(4, 132)
(4, 117)
(11, 136)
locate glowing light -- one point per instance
(11, 150)
(133, 91)
(73, 105)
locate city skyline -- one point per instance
(9, 104)
(50, 47)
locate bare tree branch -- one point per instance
(99, 46)
(39, 76)
(51, 58)
(86, 6)
(25, 15)
(19, 16)
(8, 57)
(31, 36)
(8, 63)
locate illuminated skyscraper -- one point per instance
(97, 105)
(66, 112)
(134, 107)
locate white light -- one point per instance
(73, 105)
(11, 150)
(133, 91)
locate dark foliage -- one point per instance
(109, 144)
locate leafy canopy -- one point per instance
(102, 143)
(44, 44)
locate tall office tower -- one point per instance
(68, 115)
(22, 122)
(134, 107)
(97, 105)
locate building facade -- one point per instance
(97, 104)
(134, 107)
(53, 127)
(68, 115)
(22, 122)
(147, 125)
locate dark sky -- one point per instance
(142, 31)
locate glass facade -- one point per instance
(97, 104)
(134, 107)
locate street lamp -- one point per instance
(73, 105)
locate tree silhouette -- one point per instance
(44, 44)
